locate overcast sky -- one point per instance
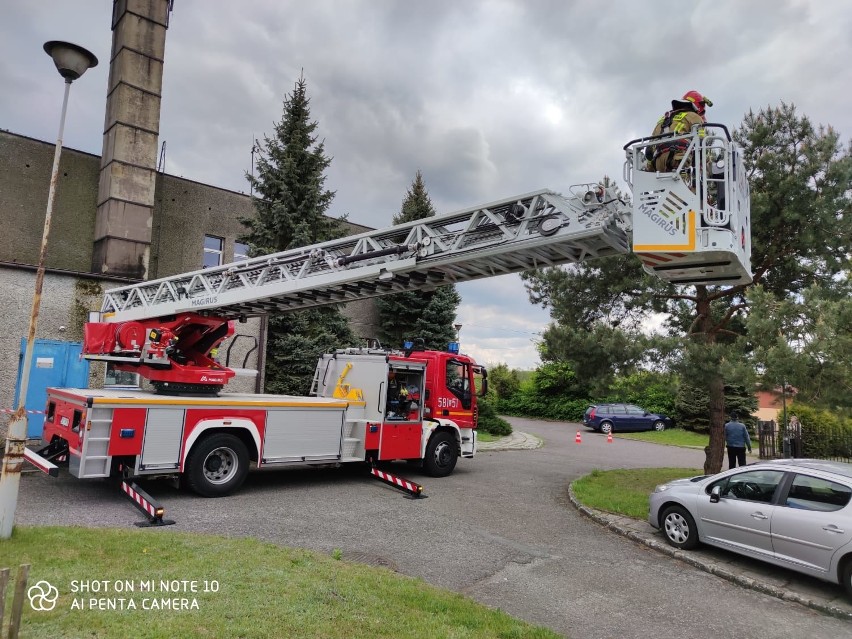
(488, 98)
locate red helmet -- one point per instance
(698, 101)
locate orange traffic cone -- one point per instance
(577, 439)
(609, 437)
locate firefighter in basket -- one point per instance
(684, 115)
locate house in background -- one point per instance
(770, 404)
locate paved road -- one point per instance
(500, 530)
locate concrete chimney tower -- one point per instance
(131, 130)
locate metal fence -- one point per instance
(780, 441)
(775, 441)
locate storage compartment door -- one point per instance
(301, 435)
(400, 441)
(163, 436)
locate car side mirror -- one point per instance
(715, 494)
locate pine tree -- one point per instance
(412, 314)
(290, 202)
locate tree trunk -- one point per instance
(715, 451)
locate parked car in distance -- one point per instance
(794, 513)
(609, 418)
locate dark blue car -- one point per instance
(608, 418)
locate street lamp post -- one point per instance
(71, 61)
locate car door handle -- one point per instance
(759, 516)
(833, 529)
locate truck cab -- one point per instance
(453, 383)
(417, 404)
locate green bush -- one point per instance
(527, 403)
(655, 392)
(555, 379)
(502, 382)
(825, 435)
(490, 422)
(551, 393)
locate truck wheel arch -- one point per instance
(243, 428)
(437, 426)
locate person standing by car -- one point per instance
(794, 436)
(737, 440)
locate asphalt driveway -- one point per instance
(499, 530)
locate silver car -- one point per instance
(794, 513)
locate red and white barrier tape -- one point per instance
(12, 410)
(139, 499)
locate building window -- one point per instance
(212, 251)
(241, 251)
(122, 379)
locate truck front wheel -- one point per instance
(217, 465)
(441, 455)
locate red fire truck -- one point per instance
(690, 226)
(369, 406)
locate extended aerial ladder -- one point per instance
(164, 329)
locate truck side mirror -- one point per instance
(483, 386)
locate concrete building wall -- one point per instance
(25, 166)
(184, 212)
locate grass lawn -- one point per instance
(671, 437)
(625, 492)
(243, 588)
(482, 436)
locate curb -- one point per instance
(609, 522)
(515, 441)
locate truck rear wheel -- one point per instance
(441, 455)
(217, 465)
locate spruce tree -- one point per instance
(412, 314)
(290, 201)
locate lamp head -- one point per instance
(71, 60)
